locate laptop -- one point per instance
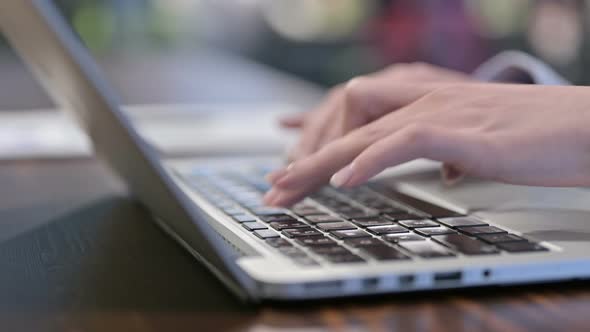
(402, 232)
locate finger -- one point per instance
(272, 177)
(276, 175)
(418, 141)
(334, 131)
(314, 126)
(292, 120)
(362, 99)
(314, 171)
(352, 114)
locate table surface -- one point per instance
(78, 254)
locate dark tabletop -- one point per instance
(78, 254)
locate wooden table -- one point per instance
(77, 254)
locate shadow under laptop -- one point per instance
(105, 256)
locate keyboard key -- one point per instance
(243, 218)
(303, 205)
(278, 242)
(466, 245)
(251, 226)
(347, 234)
(223, 204)
(253, 206)
(345, 258)
(521, 246)
(301, 232)
(345, 208)
(260, 185)
(307, 211)
(315, 241)
(388, 229)
(395, 238)
(432, 231)
(358, 214)
(403, 216)
(292, 252)
(461, 222)
(332, 226)
(330, 250)
(363, 242)
(276, 217)
(384, 252)
(266, 211)
(426, 249)
(372, 222)
(418, 223)
(385, 207)
(478, 230)
(322, 218)
(330, 202)
(233, 211)
(265, 233)
(499, 238)
(280, 225)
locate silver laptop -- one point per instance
(403, 232)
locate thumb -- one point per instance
(451, 174)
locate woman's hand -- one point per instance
(354, 104)
(520, 134)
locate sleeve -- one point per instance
(517, 66)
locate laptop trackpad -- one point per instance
(548, 214)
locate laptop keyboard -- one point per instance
(365, 224)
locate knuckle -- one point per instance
(419, 67)
(417, 135)
(400, 71)
(335, 90)
(371, 133)
(403, 70)
(354, 91)
(446, 92)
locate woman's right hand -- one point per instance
(523, 134)
(354, 104)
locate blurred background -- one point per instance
(328, 41)
(279, 52)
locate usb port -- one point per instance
(447, 277)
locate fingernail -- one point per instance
(272, 177)
(275, 200)
(269, 196)
(341, 177)
(451, 175)
(287, 177)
